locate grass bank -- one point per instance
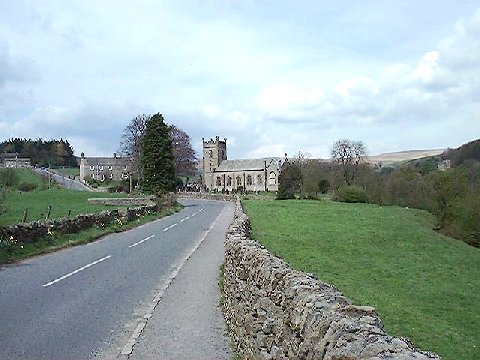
(424, 286)
(69, 171)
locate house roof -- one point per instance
(108, 160)
(247, 164)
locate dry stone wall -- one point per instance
(34, 231)
(128, 201)
(275, 312)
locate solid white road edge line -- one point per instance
(128, 348)
(76, 271)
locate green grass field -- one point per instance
(75, 171)
(36, 202)
(61, 200)
(424, 286)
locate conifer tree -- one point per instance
(156, 157)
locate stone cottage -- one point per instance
(221, 174)
(103, 168)
(11, 160)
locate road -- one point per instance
(62, 180)
(88, 301)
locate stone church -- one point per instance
(220, 174)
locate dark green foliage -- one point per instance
(447, 187)
(178, 182)
(351, 194)
(8, 178)
(289, 182)
(468, 151)
(119, 186)
(27, 186)
(426, 164)
(156, 157)
(41, 152)
(3, 195)
(323, 186)
(406, 187)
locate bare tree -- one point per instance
(183, 153)
(130, 144)
(348, 155)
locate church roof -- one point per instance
(247, 164)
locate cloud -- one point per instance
(14, 69)
(271, 80)
(432, 91)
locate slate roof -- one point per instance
(108, 160)
(246, 164)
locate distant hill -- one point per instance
(394, 157)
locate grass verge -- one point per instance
(425, 286)
(59, 241)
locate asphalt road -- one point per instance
(85, 301)
(62, 180)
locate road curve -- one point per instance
(86, 301)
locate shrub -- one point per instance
(324, 186)
(26, 186)
(351, 194)
(8, 178)
(289, 182)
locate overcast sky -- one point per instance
(273, 77)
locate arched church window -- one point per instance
(219, 181)
(249, 180)
(239, 181)
(210, 153)
(229, 181)
(272, 179)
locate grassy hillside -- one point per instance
(424, 286)
(62, 201)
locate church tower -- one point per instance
(214, 152)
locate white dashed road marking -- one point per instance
(76, 271)
(141, 241)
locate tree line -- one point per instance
(41, 152)
(451, 193)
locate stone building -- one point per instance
(103, 168)
(11, 160)
(221, 174)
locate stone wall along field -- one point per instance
(131, 201)
(34, 231)
(275, 312)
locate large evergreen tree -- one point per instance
(156, 157)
